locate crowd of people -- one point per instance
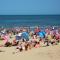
(26, 39)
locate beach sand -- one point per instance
(42, 53)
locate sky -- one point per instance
(29, 7)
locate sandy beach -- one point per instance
(42, 53)
(37, 52)
(29, 29)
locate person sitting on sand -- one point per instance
(19, 47)
(54, 41)
(5, 38)
(48, 39)
(37, 45)
(15, 43)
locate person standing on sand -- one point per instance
(37, 30)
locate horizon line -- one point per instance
(30, 14)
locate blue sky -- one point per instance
(29, 7)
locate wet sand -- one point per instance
(42, 53)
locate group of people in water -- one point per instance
(26, 39)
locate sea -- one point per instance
(7, 21)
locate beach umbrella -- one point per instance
(41, 34)
(25, 36)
